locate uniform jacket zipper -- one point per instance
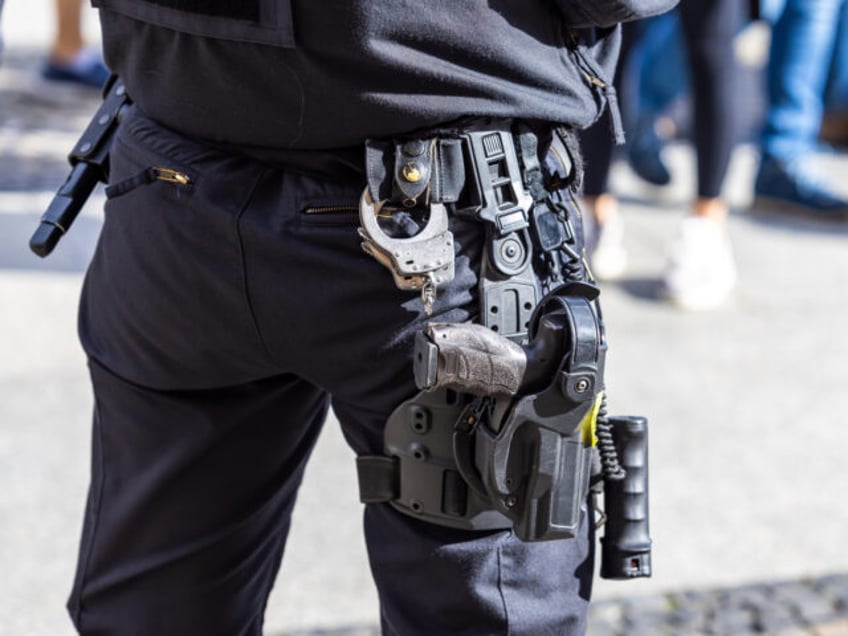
(605, 89)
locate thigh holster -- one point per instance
(501, 435)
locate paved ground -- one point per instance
(747, 405)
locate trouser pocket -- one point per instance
(164, 302)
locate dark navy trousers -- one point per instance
(221, 318)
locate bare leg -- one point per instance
(68, 40)
(608, 257)
(69, 59)
(712, 208)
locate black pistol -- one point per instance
(89, 161)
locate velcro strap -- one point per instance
(379, 478)
(378, 167)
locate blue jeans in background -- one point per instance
(803, 41)
(1, 24)
(836, 99)
(662, 75)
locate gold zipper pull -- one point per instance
(594, 81)
(171, 176)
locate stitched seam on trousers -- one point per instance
(278, 557)
(501, 587)
(88, 549)
(243, 259)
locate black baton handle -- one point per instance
(89, 161)
(626, 544)
(64, 208)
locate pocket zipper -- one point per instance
(331, 209)
(148, 176)
(170, 175)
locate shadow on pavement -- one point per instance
(641, 288)
(780, 220)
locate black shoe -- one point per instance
(86, 70)
(644, 154)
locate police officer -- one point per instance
(229, 303)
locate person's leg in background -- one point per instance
(834, 127)
(701, 271)
(69, 58)
(662, 79)
(770, 10)
(603, 225)
(604, 228)
(1, 28)
(802, 48)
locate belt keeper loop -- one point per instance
(449, 177)
(378, 167)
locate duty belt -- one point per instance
(485, 169)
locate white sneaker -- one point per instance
(701, 271)
(607, 256)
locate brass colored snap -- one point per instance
(412, 172)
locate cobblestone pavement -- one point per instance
(34, 137)
(810, 607)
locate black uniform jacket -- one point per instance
(276, 76)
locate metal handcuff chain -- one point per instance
(420, 262)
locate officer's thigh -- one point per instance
(200, 434)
